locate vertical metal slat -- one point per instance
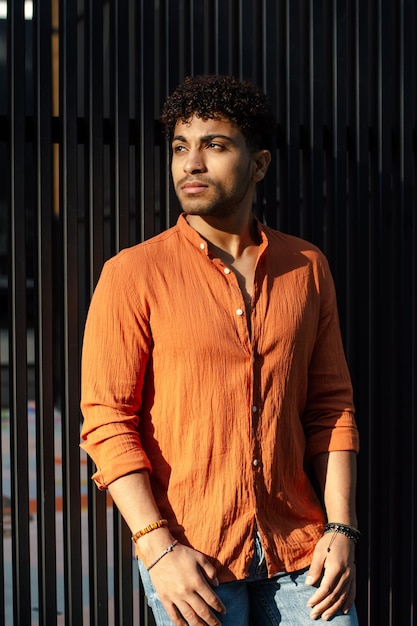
(47, 570)
(337, 179)
(120, 120)
(313, 153)
(69, 221)
(290, 108)
(270, 63)
(17, 327)
(145, 115)
(120, 167)
(93, 91)
(402, 285)
(359, 291)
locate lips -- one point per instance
(193, 187)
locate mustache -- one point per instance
(195, 179)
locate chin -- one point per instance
(195, 211)
(203, 210)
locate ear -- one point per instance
(261, 161)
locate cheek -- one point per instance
(175, 171)
(226, 173)
(241, 176)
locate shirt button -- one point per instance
(226, 270)
(255, 462)
(239, 312)
(254, 409)
(202, 245)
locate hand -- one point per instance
(337, 588)
(183, 580)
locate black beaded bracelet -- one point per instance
(344, 529)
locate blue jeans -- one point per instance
(258, 600)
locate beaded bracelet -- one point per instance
(149, 529)
(161, 556)
(344, 529)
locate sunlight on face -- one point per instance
(211, 167)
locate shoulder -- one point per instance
(132, 269)
(277, 238)
(283, 246)
(146, 249)
(137, 261)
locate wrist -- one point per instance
(342, 515)
(163, 553)
(347, 530)
(149, 546)
(149, 529)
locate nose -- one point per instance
(194, 162)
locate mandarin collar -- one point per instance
(199, 242)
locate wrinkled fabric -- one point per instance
(223, 414)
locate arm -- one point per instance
(336, 473)
(332, 444)
(183, 578)
(117, 345)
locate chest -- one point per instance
(204, 312)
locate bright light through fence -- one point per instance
(28, 9)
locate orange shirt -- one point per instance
(223, 418)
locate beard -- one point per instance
(217, 200)
(219, 206)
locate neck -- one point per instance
(233, 237)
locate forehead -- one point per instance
(197, 127)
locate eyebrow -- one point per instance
(206, 138)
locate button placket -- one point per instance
(236, 297)
(255, 446)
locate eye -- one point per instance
(215, 146)
(179, 148)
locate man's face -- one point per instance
(211, 167)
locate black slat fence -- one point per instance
(84, 172)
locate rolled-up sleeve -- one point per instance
(328, 418)
(115, 353)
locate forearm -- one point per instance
(133, 497)
(333, 565)
(183, 579)
(336, 474)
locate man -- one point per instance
(213, 372)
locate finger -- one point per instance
(200, 596)
(327, 613)
(173, 614)
(211, 599)
(196, 611)
(350, 599)
(209, 573)
(328, 609)
(327, 586)
(333, 602)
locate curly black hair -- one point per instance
(212, 96)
